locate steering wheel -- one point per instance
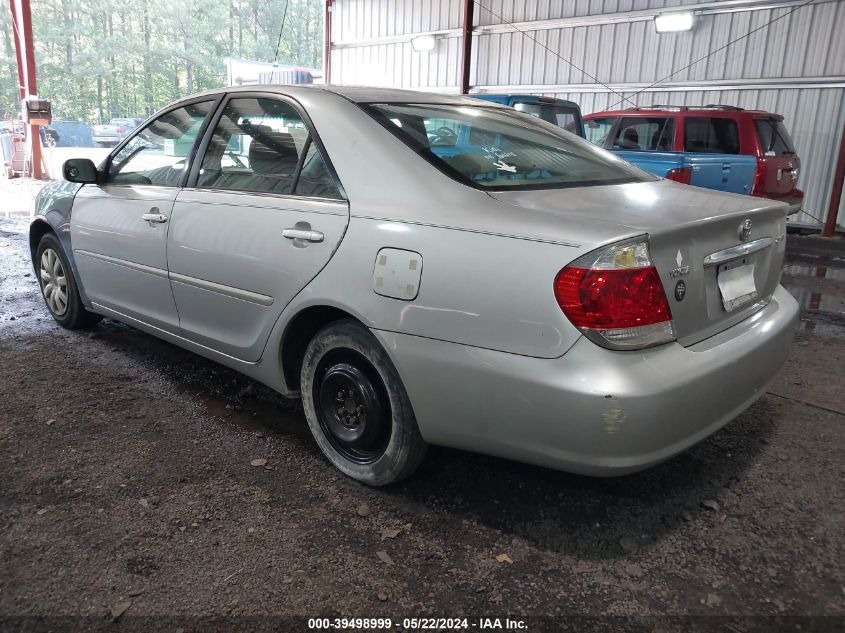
(446, 136)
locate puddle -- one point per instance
(255, 414)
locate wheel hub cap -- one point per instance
(53, 282)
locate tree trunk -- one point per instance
(68, 36)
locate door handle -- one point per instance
(154, 217)
(301, 234)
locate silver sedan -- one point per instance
(424, 269)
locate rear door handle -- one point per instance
(302, 234)
(154, 217)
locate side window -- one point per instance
(711, 135)
(646, 133)
(158, 154)
(255, 147)
(597, 130)
(315, 179)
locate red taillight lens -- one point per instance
(615, 297)
(759, 175)
(611, 299)
(680, 174)
(119, 130)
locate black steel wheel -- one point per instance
(357, 407)
(352, 406)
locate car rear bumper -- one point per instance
(795, 200)
(592, 411)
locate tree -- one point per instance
(98, 59)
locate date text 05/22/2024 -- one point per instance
(414, 624)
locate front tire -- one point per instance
(357, 407)
(58, 286)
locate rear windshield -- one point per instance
(498, 149)
(711, 135)
(645, 133)
(774, 139)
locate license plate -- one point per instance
(736, 284)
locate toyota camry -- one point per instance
(426, 269)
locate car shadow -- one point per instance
(588, 518)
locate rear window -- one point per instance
(773, 137)
(567, 118)
(498, 149)
(645, 133)
(711, 135)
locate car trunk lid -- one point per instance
(714, 273)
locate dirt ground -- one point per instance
(127, 492)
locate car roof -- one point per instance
(683, 111)
(357, 94)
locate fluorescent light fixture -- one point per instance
(673, 22)
(423, 43)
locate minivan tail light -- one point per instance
(680, 174)
(759, 174)
(615, 297)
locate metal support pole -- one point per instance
(327, 43)
(836, 190)
(25, 54)
(466, 51)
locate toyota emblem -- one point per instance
(745, 230)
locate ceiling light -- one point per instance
(423, 43)
(673, 22)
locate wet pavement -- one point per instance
(125, 476)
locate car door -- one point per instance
(262, 215)
(119, 226)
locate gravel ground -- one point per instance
(127, 487)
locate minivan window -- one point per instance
(645, 133)
(773, 137)
(711, 135)
(519, 152)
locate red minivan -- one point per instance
(721, 129)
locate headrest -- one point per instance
(272, 152)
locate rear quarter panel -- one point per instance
(476, 289)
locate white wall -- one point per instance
(794, 66)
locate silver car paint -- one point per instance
(235, 242)
(593, 411)
(121, 257)
(485, 316)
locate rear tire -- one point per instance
(357, 407)
(58, 286)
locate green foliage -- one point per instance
(98, 59)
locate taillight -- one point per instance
(759, 173)
(119, 130)
(615, 297)
(680, 174)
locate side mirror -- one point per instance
(81, 170)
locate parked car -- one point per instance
(532, 297)
(111, 133)
(565, 114)
(72, 134)
(706, 147)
